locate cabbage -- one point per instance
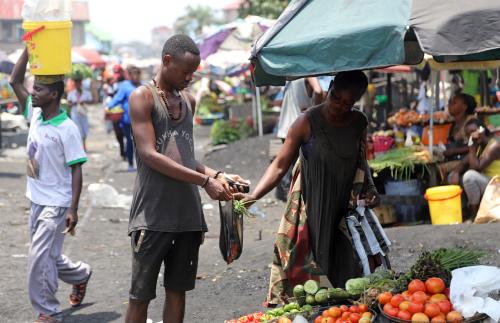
(356, 286)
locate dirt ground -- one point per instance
(222, 291)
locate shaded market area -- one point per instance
(387, 211)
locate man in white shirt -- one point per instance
(54, 184)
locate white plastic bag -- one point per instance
(46, 10)
(469, 291)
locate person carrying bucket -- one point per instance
(54, 184)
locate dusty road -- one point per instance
(222, 291)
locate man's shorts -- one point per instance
(178, 252)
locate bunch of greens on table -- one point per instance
(401, 162)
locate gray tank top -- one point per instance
(161, 203)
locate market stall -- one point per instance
(434, 289)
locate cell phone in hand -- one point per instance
(238, 185)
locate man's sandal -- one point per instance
(42, 318)
(78, 294)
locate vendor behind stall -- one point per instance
(480, 165)
(461, 108)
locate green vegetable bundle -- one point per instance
(454, 258)
(401, 162)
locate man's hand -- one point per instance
(238, 186)
(71, 221)
(217, 190)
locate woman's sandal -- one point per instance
(78, 294)
(42, 318)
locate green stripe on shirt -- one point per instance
(27, 107)
(77, 161)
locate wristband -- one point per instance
(206, 182)
(217, 174)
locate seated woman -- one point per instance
(330, 141)
(480, 165)
(461, 108)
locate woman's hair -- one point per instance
(355, 81)
(469, 101)
(478, 124)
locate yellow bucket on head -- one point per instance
(445, 204)
(49, 46)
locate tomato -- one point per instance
(416, 285)
(439, 319)
(365, 319)
(404, 305)
(419, 297)
(436, 298)
(334, 312)
(406, 294)
(390, 310)
(286, 320)
(384, 298)
(396, 300)
(344, 308)
(325, 313)
(432, 310)
(435, 285)
(367, 314)
(362, 308)
(325, 320)
(354, 317)
(415, 308)
(345, 316)
(419, 317)
(404, 315)
(353, 309)
(318, 319)
(445, 306)
(454, 317)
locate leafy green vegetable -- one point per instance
(356, 286)
(225, 132)
(241, 209)
(401, 162)
(454, 258)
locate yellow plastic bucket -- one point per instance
(49, 46)
(445, 204)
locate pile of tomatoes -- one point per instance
(344, 314)
(422, 302)
(255, 317)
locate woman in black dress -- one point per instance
(328, 139)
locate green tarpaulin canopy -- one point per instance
(314, 37)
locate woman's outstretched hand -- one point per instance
(247, 199)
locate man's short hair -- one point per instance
(179, 44)
(57, 87)
(355, 81)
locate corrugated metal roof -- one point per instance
(11, 10)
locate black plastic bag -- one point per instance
(231, 232)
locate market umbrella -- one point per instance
(89, 56)
(314, 37)
(226, 49)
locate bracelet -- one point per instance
(206, 182)
(217, 174)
